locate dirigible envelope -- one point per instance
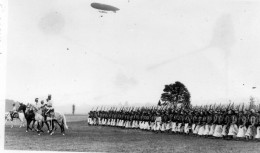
(104, 7)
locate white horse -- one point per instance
(58, 118)
(19, 116)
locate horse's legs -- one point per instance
(12, 124)
(46, 122)
(35, 126)
(30, 121)
(21, 124)
(19, 117)
(41, 126)
(63, 129)
(40, 130)
(22, 121)
(35, 123)
(32, 127)
(28, 125)
(52, 127)
(38, 127)
(38, 124)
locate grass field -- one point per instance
(83, 138)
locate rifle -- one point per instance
(237, 107)
(133, 108)
(228, 106)
(214, 106)
(232, 106)
(242, 109)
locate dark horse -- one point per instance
(30, 117)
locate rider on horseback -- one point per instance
(13, 112)
(50, 109)
(37, 105)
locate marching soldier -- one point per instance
(202, 123)
(174, 121)
(218, 128)
(251, 130)
(187, 121)
(214, 122)
(233, 129)
(194, 123)
(242, 125)
(257, 137)
(226, 123)
(208, 122)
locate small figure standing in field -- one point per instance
(73, 109)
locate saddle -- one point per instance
(50, 113)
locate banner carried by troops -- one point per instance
(217, 121)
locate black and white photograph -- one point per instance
(180, 76)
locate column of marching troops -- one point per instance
(227, 122)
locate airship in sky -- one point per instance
(104, 7)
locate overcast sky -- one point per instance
(70, 50)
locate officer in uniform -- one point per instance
(49, 107)
(36, 102)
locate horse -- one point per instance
(19, 115)
(57, 117)
(49, 120)
(39, 118)
(29, 115)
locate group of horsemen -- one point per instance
(48, 105)
(228, 122)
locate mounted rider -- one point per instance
(49, 107)
(13, 112)
(37, 104)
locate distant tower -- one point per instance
(73, 109)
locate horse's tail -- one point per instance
(65, 122)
